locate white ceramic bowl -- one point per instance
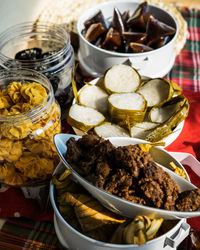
(122, 206)
(72, 239)
(95, 61)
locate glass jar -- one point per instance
(29, 118)
(57, 57)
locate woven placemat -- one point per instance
(67, 12)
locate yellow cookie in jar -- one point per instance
(5, 101)
(10, 175)
(16, 132)
(10, 150)
(16, 109)
(41, 147)
(29, 118)
(34, 166)
(33, 93)
(14, 92)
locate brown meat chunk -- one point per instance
(119, 182)
(188, 200)
(132, 158)
(102, 171)
(85, 153)
(152, 190)
(73, 153)
(88, 141)
(167, 185)
(103, 150)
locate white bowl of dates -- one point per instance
(114, 32)
(81, 221)
(126, 179)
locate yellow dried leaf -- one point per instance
(74, 87)
(177, 170)
(90, 213)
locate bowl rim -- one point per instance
(95, 8)
(91, 240)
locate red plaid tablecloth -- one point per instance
(34, 228)
(186, 70)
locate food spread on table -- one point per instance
(128, 32)
(121, 104)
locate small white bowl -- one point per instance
(95, 61)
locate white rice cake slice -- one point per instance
(84, 118)
(127, 101)
(121, 78)
(155, 91)
(110, 130)
(162, 114)
(94, 97)
(142, 129)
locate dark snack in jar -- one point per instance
(136, 33)
(129, 173)
(139, 48)
(112, 40)
(118, 21)
(157, 30)
(74, 40)
(34, 55)
(29, 54)
(98, 18)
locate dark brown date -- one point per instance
(94, 32)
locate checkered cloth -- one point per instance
(186, 71)
(26, 233)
